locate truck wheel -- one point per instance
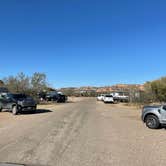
(33, 111)
(152, 122)
(115, 102)
(14, 110)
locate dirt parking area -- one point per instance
(133, 142)
(81, 132)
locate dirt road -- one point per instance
(83, 133)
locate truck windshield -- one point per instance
(19, 96)
(108, 96)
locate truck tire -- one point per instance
(33, 111)
(115, 102)
(14, 110)
(152, 122)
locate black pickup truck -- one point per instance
(57, 97)
(17, 103)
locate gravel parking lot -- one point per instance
(81, 133)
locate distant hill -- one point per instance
(106, 89)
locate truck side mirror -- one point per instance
(9, 99)
(159, 110)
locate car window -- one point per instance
(19, 96)
(108, 95)
(164, 107)
(3, 96)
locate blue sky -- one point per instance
(84, 42)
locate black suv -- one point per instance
(17, 103)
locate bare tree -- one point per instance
(17, 84)
(11, 83)
(23, 82)
(38, 81)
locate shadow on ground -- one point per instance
(41, 111)
(55, 103)
(38, 111)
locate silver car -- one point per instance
(154, 116)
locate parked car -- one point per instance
(108, 99)
(55, 96)
(41, 96)
(17, 103)
(120, 96)
(3, 90)
(61, 98)
(100, 97)
(154, 116)
(51, 96)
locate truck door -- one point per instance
(163, 113)
(3, 102)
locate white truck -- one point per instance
(100, 97)
(120, 96)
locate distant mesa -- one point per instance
(106, 89)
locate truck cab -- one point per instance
(17, 103)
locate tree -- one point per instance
(38, 81)
(11, 83)
(1, 83)
(69, 91)
(23, 82)
(159, 88)
(147, 96)
(17, 84)
(156, 90)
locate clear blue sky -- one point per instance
(84, 42)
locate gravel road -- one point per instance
(82, 133)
